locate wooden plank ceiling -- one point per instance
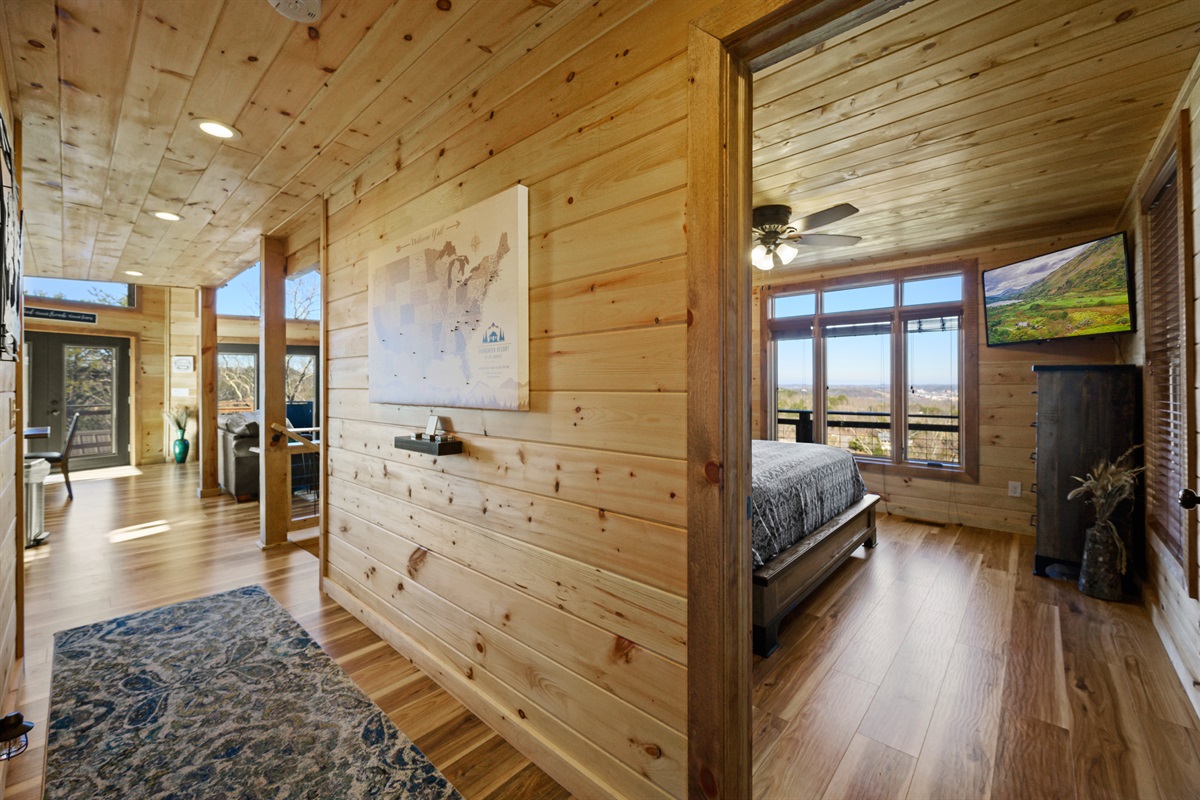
(953, 123)
(108, 91)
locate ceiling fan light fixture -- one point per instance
(169, 216)
(218, 129)
(760, 257)
(785, 252)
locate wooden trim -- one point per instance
(718, 422)
(274, 489)
(323, 360)
(720, 47)
(206, 301)
(778, 29)
(1187, 335)
(766, 373)
(968, 308)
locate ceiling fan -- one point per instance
(775, 236)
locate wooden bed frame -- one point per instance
(781, 583)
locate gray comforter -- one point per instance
(797, 488)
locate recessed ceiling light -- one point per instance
(217, 129)
(168, 216)
(134, 273)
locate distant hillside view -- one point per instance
(859, 419)
(1085, 295)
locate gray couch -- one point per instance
(236, 465)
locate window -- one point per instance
(237, 381)
(1165, 368)
(97, 293)
(237, 378)
(242, 296)
(876, 366)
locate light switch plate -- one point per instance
(1014, 488)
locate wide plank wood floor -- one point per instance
(132, 543)
(938, 666)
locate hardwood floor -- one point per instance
(141, 541)
(938, 665)
(935, 665)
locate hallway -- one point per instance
(142, 539)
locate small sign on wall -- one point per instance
(183, 364)
(60, 315)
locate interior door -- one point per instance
(76, 374)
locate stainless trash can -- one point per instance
(36, 472)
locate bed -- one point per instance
(809, 512)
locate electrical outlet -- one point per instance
(1014, 488)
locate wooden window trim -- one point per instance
(791, 327)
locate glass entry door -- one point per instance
(84, 375)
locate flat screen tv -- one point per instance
(1079, 291)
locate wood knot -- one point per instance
(708, 782)
(712, 471)
(622, 650)
(416, 561)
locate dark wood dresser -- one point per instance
(1085, 413)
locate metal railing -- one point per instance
(796, 425)
(97, 441)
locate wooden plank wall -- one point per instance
(541, 575)
(10, 526)
(1007, 405)
(145, 326)
(1175, 614)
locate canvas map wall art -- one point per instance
(448, 310)
(10, 252)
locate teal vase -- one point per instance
(180, 448)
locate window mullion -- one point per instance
(899, 386)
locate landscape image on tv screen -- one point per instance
(1079, 291)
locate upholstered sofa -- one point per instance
(236, 464)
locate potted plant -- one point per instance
(179, 416)
(1107, 486)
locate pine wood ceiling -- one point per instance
(107, 92)
(943, 121)
(953, 122)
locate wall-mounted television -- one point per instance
(1084, 290)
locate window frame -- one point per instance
(897, 315)
(243, 348)
(38, 299)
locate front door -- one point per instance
(72, 374)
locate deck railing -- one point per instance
(928, 433)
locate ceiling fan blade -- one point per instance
(827, 240)
(827, 217)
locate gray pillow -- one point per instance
(240, 425)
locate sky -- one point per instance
(240, 296)
(866, 360)
(72, 290)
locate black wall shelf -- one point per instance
(430, 447)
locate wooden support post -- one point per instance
(274, 487)
(206, 299)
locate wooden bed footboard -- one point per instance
(784, 581)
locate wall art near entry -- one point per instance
(10, 252)
(448, 310)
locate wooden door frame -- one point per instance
(724, 46)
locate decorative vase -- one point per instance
(1100, 574)
(180, 448)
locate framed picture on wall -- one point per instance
(10, 251)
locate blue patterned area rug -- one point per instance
(221, 697)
